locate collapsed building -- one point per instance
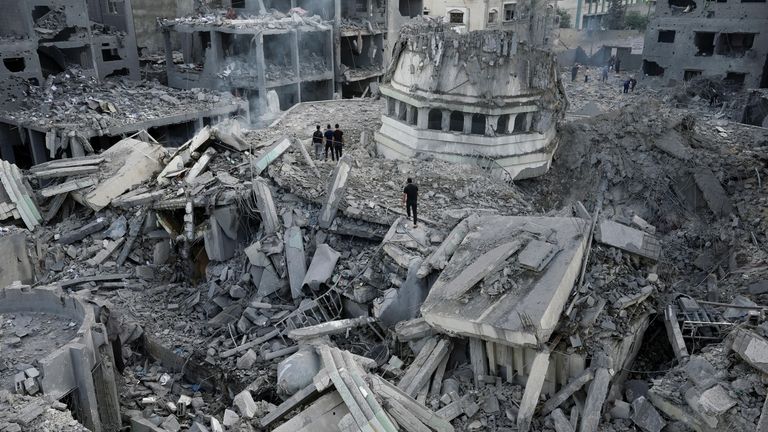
(689, 38)
(41, 38)
(488, 95)
(276, 54)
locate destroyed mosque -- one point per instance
(585, 248)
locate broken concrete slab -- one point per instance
(295, 259)
(245, 404)
(68, 186)
(335, 191)
(645, 416)
(714, 194)
(129, 163)
(598, 389)
(536, 255)
(321, 268)
(270, 154)
(265, 203)
(84, 231)
(439, 258)
(520, 316)
(751, 347)
(628, 239)
(533, 386)
(328, 328)
(401, 304)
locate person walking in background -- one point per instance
(632, 84)
(338, 141)
(410, 195)
(329, 143)
(317, 141)
(626, 86)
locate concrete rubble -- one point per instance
(224, 280)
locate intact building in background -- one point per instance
(688, 38)
(489, 96)
(39, 38)
(277, 53)
(518, 16)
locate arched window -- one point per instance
(520, 122)
(502, 125)
(493, 15)
(435, 120)
(456, 16)
(478, 124)
(457, 121)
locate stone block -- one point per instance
(645, 416)
(230, 418)
(245, 404)
(700, 372)
(716, 400)
(620, 410)
(247, 360)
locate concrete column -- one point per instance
(398, 108)
(86, 393)
(337, 42)
(511, 123)
(217, 48)
(6, 145)
(467, 123)
(445, 121)
(422, 121)
(576, 19)
(37, 145)
(411, 114)
(492, 124)
(260, 72)
(104, 381)
(169, 66)
(528, 121)
(296, 67)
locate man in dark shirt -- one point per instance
(338, 141)
(317, 141)
(329, 143)
(410, 193)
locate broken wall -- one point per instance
(692, 37)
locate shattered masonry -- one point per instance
(165, 268)
(486, 96)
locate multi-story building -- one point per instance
(726, 38)
(509, 15)
(281, 52)
(43, 37)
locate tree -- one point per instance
(614, 20)
(635, 20)
(565, 18)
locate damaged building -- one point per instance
(595, 263)
(277, 54)
(690, 38)
(490, 97)
(42, 38)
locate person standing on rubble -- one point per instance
(329, 143)
(626, 86)
(338, 141)
(317, 141)
(410, 195)
(604, 74)
(632, 84)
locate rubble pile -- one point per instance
(28, 413)
(262, 288)
(73, 103)
(267, 20)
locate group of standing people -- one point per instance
(331, 139)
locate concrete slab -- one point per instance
(524, 315)
(629, 239)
